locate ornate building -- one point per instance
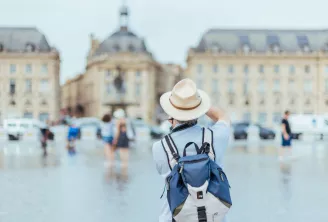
(258, 74)
(121, 72)
(29, 75)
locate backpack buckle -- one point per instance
(175, 156)
(207, 148)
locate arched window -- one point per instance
(131, 48)
(117, 48)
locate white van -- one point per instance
(16, 127)
(316, 125)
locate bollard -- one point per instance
(31, 135)
(89, 133)
(3, 135)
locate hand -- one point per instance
(286, 136)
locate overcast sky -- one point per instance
(169, 27)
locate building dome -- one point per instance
(122, 40)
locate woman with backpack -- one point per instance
(107, 134)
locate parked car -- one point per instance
(156, 132)
(16, 127)
(240, 131)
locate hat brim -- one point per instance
(185, 115)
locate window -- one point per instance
(307, 69)
(138, 74)
(27, 103)
(12, 68)
(215, 85)
(276, 117)
(307, 102)
(215, 68)
(261, 86)
(262, 118)
(108, 74)
(28, 85)
(262, 102)
(230, 69)
(44, 69)
(308, 86)
(230, 86)
(276, 85)
(326, 85)
(43, 117)
(138, 89)
(231, 101)
(246, 69)
(291, 69)
(28, 115)
(247, 117)
(276, 68)
(261, 68)
(199, 68)
(108, 87)
(44, 85)
(28, 68)
(291, 85)
(12, 86)
(199, 83)
(245, 87)
(292, 102)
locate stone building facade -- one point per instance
(120, 73)
(29, 75)
(257, 74)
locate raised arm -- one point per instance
(216, 114)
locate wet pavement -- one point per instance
(79, 188)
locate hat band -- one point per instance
(183, 108)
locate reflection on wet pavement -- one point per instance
(81, 188)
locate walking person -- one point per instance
(185, 157)
(107, 133)
(45, 133)
(286, 144)
(121, 140)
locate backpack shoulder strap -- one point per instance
(208, 138)
(171, 151)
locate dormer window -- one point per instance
(246, 49)
(30, 47)
(273, 43)
(325, 47)
(306, 48)
(303, 43)
(275, 48)
(244, 43)
(215, 48)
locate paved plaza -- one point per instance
(64, 188)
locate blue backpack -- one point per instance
(197, 188)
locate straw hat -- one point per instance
(118, 114)
(185, 102)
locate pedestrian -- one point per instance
(184, 105)
(286, 136)
(45, 132)
(72, 136)
(121, 140)
(107, 133)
